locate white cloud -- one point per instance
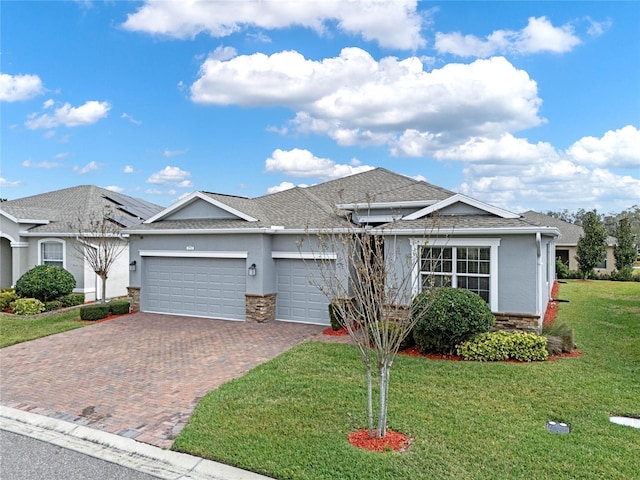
(169, 176)
(30, 164)
(127, 169)
(48, 104)
(173, 153)
(616, 148)
(357, 100)
(114, 188)
(14, 88)
(302, 163)
(88, 113)
(285, 186)
(8, 184)
(131, 119)
(61, 155)
(598, 28)
(538, 36)
(156, 191)
(89, 167)
(390, 23)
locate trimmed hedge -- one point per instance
(45, 282)
(72, 299)
(27, 306)
(502, 345)
(96, 311)
(119, 307)
(449, 316)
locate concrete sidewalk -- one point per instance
(127, 452)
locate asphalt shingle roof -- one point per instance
(570, 233)
(68, 206)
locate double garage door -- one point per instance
(215, 288)
(202, 287)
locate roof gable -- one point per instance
(199, 206)
(450, 205)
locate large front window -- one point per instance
(52, 253)
(470, 264)
(459, 267)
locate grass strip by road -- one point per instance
(14, 329)
(290, 417)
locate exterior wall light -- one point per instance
(132, 266)
(252, 270)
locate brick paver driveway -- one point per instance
(138, 375)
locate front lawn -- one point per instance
(21, 329)
(290, 417)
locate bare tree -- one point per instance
(99, 241)
(370, 286)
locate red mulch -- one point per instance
(552, 307)
(396, 441)
(335, 333)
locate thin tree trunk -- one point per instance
(104, 289)
(384, 395)
(370, 400)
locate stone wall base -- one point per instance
(134, 298)
(520, 322)
(260, 308)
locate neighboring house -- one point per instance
(567, 243)
(228, 257)
(38, 230)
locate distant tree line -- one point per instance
(610, 221)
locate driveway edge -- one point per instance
(164, 464)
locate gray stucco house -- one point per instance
(37, 230)
(228, 257)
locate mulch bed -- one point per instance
(392, 441)
(335, 333)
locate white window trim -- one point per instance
(304, 255)
(493, 243)
(53, 240)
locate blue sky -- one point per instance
(525, 105)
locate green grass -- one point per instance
(290, 417)
(21, 329)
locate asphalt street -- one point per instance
(25, 458)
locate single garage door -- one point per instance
(298, 300)
(201, 287)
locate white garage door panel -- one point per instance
(207, 287)
(297, 299)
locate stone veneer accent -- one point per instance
(134, 298)
(260, 308)
(520, 322)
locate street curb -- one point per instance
(165, 464)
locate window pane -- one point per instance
(52, 251)
(484, 254)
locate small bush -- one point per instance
(455, 315)
(45, 282)
(562, 330)
(501, 345)
(562, 270)
(119, 307)
(6, 298)
(94, 312)
(72, 299)
(554, 344)
(27, 306)
(624, 275)
(52, 305)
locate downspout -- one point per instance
(539, 279)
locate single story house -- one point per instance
(567, 243)
(40, 229)
(235, 258)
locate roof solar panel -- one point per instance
(134, 206)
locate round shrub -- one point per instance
(119, 307)
(447, 317)
(45, 282)
(6, 298)
(27, 306)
